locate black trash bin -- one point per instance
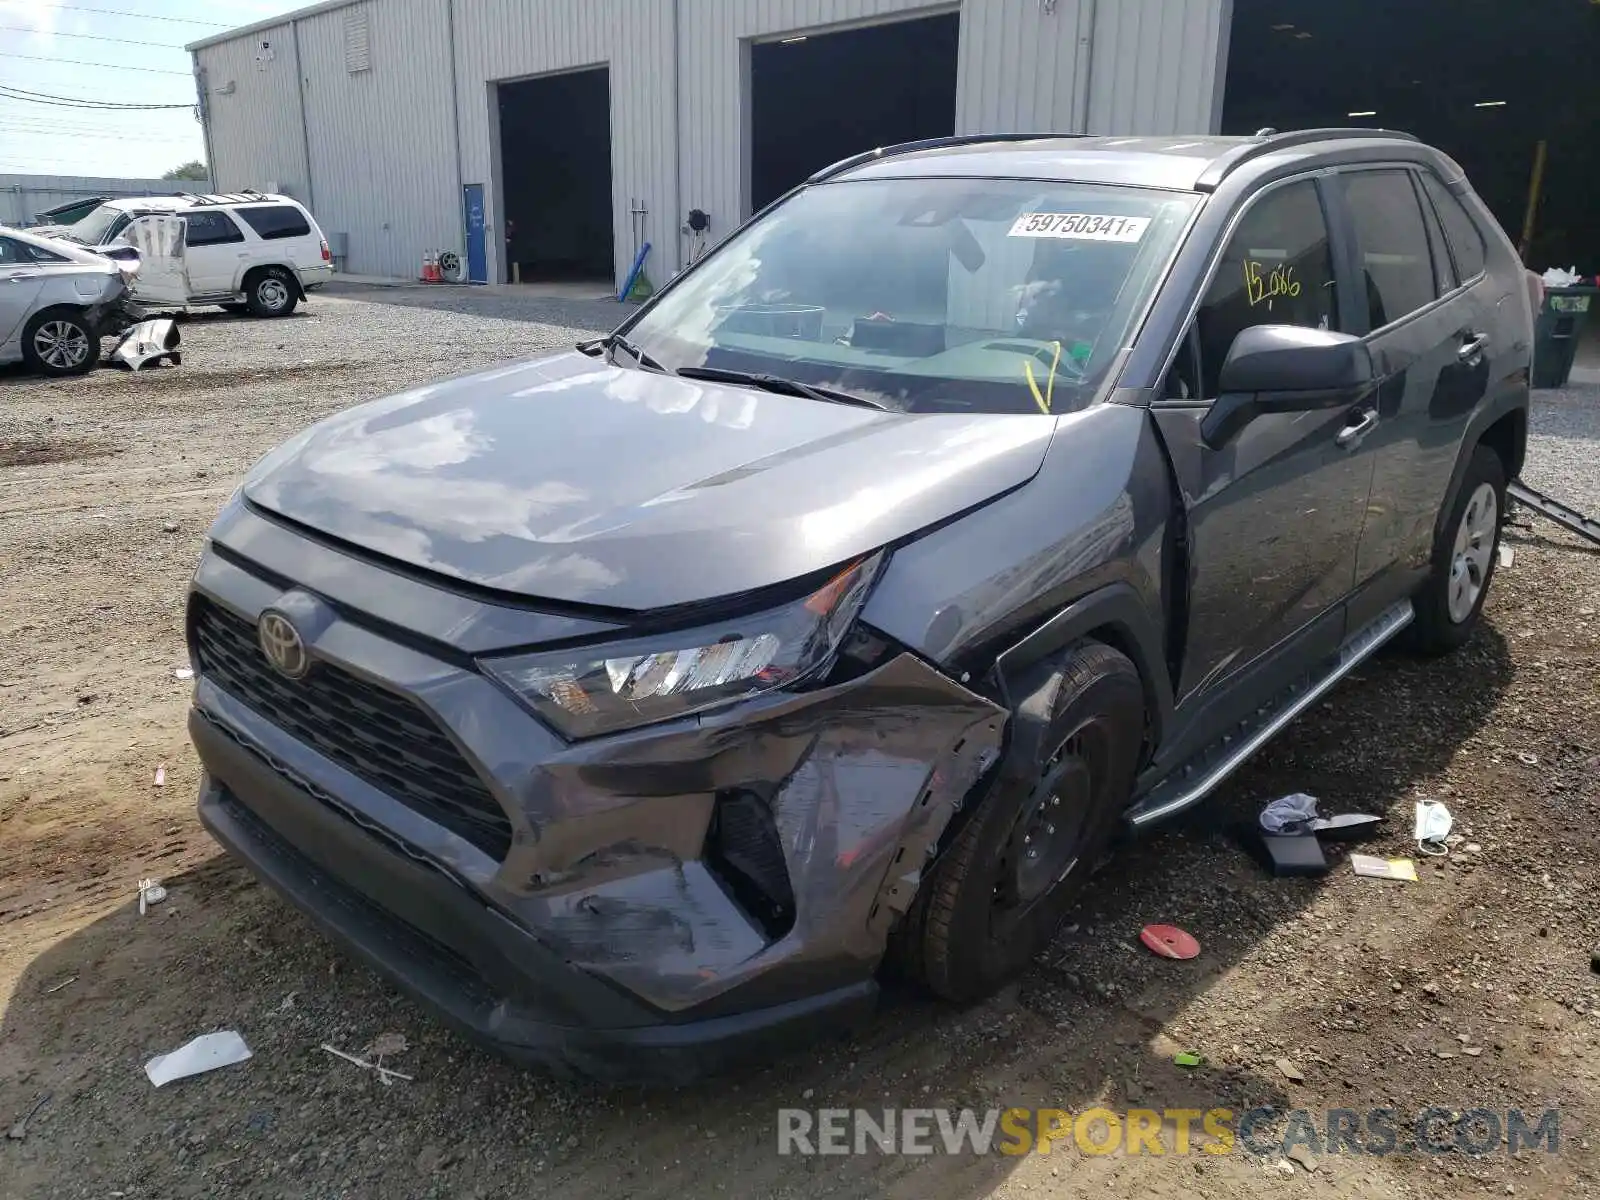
(1556, 331)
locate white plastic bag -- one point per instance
(1289, 814)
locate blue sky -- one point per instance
(120, 50)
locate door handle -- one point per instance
(19, 276)
(1353, 433)
(1472, 347)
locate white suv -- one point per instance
(243, 250)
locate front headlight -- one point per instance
(589, 690)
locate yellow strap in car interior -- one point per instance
(1048, 398)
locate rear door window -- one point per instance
(272, 221)
(1276, 270)
(209, 229)
(1466, 241)
(1391, 244)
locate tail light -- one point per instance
(327, 255)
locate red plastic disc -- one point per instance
(1169, 941)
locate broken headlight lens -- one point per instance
(589, 690)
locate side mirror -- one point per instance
(1286, 368)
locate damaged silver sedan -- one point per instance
(57, 301)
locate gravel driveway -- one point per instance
(1468, 988)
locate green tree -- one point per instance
(189, 170)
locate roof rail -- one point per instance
(937, 143)
(1268, 142)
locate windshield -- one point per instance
(91, 231)
(928, 295)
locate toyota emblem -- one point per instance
(282, 644)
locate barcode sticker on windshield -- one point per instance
(1081, 226)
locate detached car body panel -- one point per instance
(626, 705)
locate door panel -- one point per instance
(214, 252)
(1275, 514)
(1274, 519)
(477, 244)
(163, 275)
(1433, 343)
(20, 281)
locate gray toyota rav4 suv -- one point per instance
(636, 706)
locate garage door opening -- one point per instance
(820, 98)
(555, 172)
(1483, 80)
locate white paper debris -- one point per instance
(206, 1053)
(161, 775)
(1556, 277)
(183, 673)
(150, 893)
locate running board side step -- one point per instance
(1192, 782)
(1555, 510)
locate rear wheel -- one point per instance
(271, 292)
(60, 341)
(999, 892)
(1465, 551)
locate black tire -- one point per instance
(1437, 628)
(60, 342)
(271, 292)
(986, 911)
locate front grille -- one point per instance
(378, 736)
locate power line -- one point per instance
(78, 62)
(117, 12)
(92, 37)
(10, 93)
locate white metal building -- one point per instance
(395, 119)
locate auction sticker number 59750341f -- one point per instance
(1087, 227)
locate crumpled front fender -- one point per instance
(861, 780)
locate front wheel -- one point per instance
(271, 293)
(60, 341)
(998, 894)
(1465, 551)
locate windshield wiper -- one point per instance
(617, 341)
(781, 385)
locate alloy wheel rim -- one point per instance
(1470, 560)
(62, 344)
(272, 293)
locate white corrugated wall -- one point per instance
(381, 148)
(23, 196)
(253, 112)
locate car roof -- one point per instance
(1180, 163)
(183, 201)
(78, 254)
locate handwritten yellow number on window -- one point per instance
(1261, 286)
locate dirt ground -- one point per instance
(1470, 988)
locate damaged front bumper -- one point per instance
(650, 905)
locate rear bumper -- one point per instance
(471, 965)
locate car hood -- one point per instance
(571, 480)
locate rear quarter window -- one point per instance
(271, 221)
(1466, 240)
